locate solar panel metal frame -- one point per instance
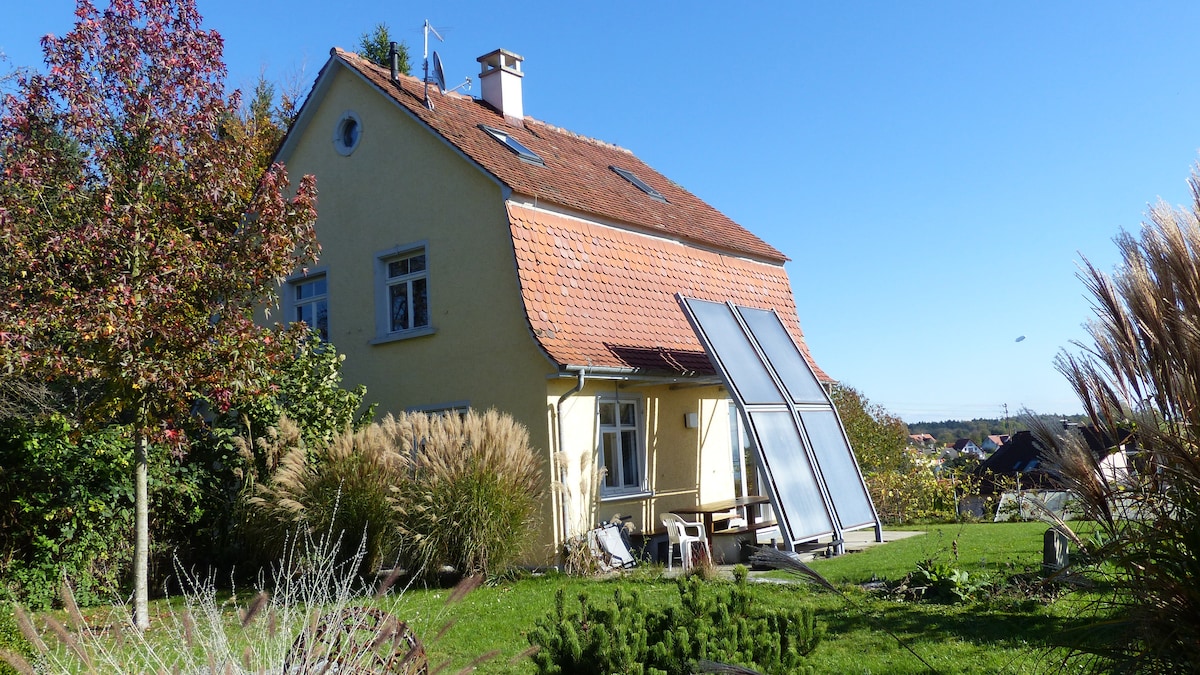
(787, 402)
(807, 410)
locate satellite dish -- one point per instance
(439, 75)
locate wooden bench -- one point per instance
(749, 527)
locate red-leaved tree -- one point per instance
(138, 230)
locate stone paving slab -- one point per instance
(854, 542)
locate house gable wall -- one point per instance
(404, 185)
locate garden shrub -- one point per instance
(343, 487)
(66, 507)
(913, 493)
(472, 494)
(713, 622)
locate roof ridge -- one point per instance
(339, 51)
(576, 177)
(578, 136)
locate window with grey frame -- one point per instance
(309, 301)
(621, 455)
(406, 282)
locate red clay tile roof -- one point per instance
(576, 175)
(602, 296)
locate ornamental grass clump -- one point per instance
(319, 617)
(1140, 385)
(342, 487)
(472, 493)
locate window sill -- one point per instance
(624, 496)
(404, 335)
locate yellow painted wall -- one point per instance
(685, 467)
(404, 185)
(401, 185)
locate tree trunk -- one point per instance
(141, 549)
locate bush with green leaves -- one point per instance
(902, 481)
(937, 581)
(66, 507)
(714, 622)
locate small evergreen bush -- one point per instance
(713, 622)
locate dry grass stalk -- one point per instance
(256, 605)
(713, 667)
(1141, 375)
(27, 629)
(69, 604)
(16, 661)
(527, 654)
(478, 661)
(68, 640)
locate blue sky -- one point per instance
(934, 170)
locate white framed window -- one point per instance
(308, 301)
(402, 293)
(621, 448)
(347, 133)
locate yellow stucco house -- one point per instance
(473, 256)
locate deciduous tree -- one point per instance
(878, 437)
(137, 234)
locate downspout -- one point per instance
(562, 474)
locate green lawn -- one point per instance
(982, 547)
(1004, 633)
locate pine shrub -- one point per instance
(713, 622)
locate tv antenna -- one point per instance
(439, 76)
(430, 29)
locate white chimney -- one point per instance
(500, 79)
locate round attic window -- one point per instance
(347, 133)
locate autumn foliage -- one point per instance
(138, 233)
(138, 230)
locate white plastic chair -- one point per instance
(677, 534)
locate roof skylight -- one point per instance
(513, 144)
(639, 183)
